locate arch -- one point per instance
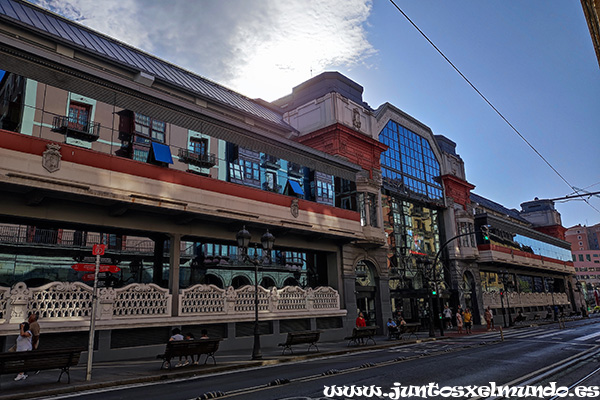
(290, 282)
(365, 288)
(267, 282)
(240, 281)
(211, 279)
(470, 295)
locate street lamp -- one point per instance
(507, 282)
(243, 241)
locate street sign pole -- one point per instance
(98, 250)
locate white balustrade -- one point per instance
(492, 299)
(68, 304)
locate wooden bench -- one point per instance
(359, 334)
(409, 329)
(305, 337)
(536, 317)
(189, 348)
(36, 360)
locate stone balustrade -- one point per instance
(63, 305)
(492, 299)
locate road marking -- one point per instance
(551, 334)
(586, 337)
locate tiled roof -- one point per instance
(85, 39)
(499, 208)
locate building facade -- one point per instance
(101, 143)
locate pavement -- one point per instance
(118, 373)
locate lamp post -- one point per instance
(507, 282)
(267, 240)
(551, 282)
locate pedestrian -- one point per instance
(468, 320)
(459, 322)
(176, 335)
(34, 327)
(489, 319)
(203, 334)
(392, 328)
(447, 316)
(23, 344)
(360, 321)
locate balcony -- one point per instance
(270, 162)
(89, 131)
(202, 160)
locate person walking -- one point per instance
(489, 319)
(23, 344)
(468, 319)
(447, 317)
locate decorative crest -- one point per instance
(294, 208)
(51, 157)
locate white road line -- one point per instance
(551, 334)
(586, 337)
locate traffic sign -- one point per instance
(92, 268)
(98, 249)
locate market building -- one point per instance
(102, 143)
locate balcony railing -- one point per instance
(88, 131)
(203, 160)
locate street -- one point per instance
(532, 356)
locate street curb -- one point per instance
(172, 375)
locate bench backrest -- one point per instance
(364, 332)
(39, 359)
(302, 337)
(189, 347)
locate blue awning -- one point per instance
(296, 188)
(162, 153)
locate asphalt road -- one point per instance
(475, 360)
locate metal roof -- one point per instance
(85, 39)
(499, 208)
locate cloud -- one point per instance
(261, 48)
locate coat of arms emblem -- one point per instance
(51, 157)
(294, 208)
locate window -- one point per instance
(587, 257)
(244, 167)
(323, 188)
(79, 116)
(198, 145)
(409, 163)
(362, 209)
(373, 217)
(146, 127)
(580, 257)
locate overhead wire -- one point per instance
(491, 105)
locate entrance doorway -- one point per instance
(366, 291)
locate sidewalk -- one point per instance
(115, 373)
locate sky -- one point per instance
(533, 60)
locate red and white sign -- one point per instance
(98, 249)
(87, 277)
(92, 268)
